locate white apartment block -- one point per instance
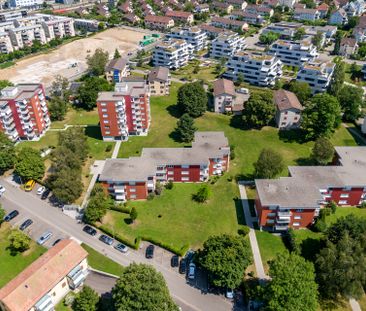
(293, 53)
(306, 14)
(25, 3)
(24, 36)
(255, 68)
(317, 74)
(194, 36)
(172, 53)
(59, 28)
(5, 43)
(226, 45)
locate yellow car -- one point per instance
(29, 185)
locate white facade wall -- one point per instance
(194, 36)
(288, 119)
(226, 45)
(222, 101)
(5, 43)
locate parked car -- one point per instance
(40, 190)
(44, 237)
(189, 256)
(174, 262)
(11, 215)
(121, 247)
(2, 189)
(150, 251)
(229, 293)
(90, 230)
(29, 185)
(45, 194)
(182, 266)
(106, 239)
(54, 243)
(192, 271)
(243, 90)
(26, 224)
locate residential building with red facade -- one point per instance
(126, 111)
(295, 201)
(23, 112)
(134, 178)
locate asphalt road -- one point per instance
(30, 206)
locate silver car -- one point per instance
(44, 237)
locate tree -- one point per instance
(141, 287)
(292, 286)
(7, 153)
(310, 4)
(86, 300)
(2, 214)
(75, 140)
(59, 87)
(57, 108)
(192, 99)
(202, 194)
(276, 17)
(354, 226)
(97, 207)
(259, 110)
(220, 66)
(323, 151)
(19, 241)
(351, 98)
(321, 116)
(88, 91)
(269, 37)
(240, 79)
(299, 34)
(29, 164)
(185, 128)
(133, 214)
(226, 258)
(116, 54)
(269, 164)
(97, 62)
(337, 42)
(302, 90)
(4, 84)
(338, 77)
(317, 40)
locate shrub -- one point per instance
(289, 240)
(320, 225)
(151, 196)
(232, 152)
(117, 236)
(363, 204)
(243, 230)
(108, 148)
(169, 185)
(158, 188)
(120, 208)
(332, 206)
(202, 194)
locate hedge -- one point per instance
(120, 238)
(179, 251)
(121, 209)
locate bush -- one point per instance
(169, 185)
(363, 204)
(118, 237)
(158, 188)
(232, 152)
(213, 179)
(243, 230)
(320, 225)
(179, 251)
(108, 148)
(332, 206)
(150, 196)
(120, 208)
(202, 194)
(289, 240)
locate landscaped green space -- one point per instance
(205, 72)
(177, 220)
(77, 117)
(100, 262)
(11, 265)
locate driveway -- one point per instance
(48, 216)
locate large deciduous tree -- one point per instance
(141, 287)
(259, 110)
(29, 164)
(338, 77)
(301, 89)
(269, 164)
(97, 62)
(269, 37)
(292, 286)
(351, 100)
(321, 116)
(75, 140)
(323, 151)
(19, 241)
(7, 153)
(226, 258)
(57, 108)
(86, 300)
(192, 99)
(88, 91)
(185, 128)
(97, 206)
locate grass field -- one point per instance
(11, 265)
(206, 73)
(77, 117)
(177, 220)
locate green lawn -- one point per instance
(100, 262)
(78, 117)
(206, 73)
(177, 220)
(11, 265)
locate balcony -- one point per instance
(283, 220)
(281, 227)
(119, 189)
(5, 112)
(284, 214)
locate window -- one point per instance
(299, 210)
(185, 172)
(297, 217)
(342, 202)
(63, 284)
(272, 208)
(104, 110)
(185, 178)
(132, 190)
(345, 195)
(296, 224)
(103, 104)
(133, 196)
(106, 121)
(132, 183)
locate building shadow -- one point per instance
(93, 131)
(291, 136)
(239, 211)
(357, 136)
(237, 122)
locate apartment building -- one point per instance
(226, 45)
(31, 4)
(86, 24)
(348, 47)
(295, 201)
(59, 28)
(255, 68)
(12, 15)
(172, 53)
(237, 4)
(43, 284)
(159, 22)
(117, 69)
(286, 30)
(134, 178)
(23, 112)
(212, 31)
(228, 23)
(259, 10)
(338, 17)
(6, 45)
(306, 14)
(293, 53)
(181, 17)
(158, 81)
(195, 36)
(126, 111)
(222, 7)
(317, 74)
(288, 109)
(226, 99)
(24, 36)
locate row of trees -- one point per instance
(98, 204)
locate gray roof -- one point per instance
(302, 188)
(205, 146)
(159, 74)
(116, 64)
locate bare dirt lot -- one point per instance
(43, 68)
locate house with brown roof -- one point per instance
(126, 7)
(158, 81)
(348, 47)
(159, 22)
(288, 110)
(222, 7)
(306, 14)
(181, 16)
(228, 23)
(237, 4)
(131, 18)
(47, 280)
(323, 10)
(226, 99)
(116, 69)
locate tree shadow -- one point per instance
(93, 131)
(236, 122)
(334, 304)
(239, 211)
(242, 177)
(174, 111)
(128, 221)
(13, 252)
(305, 162)
(356, 134)
(291, 136)
(310, 247)
(175, 136)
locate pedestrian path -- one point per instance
(355, 306)
(116, 149)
